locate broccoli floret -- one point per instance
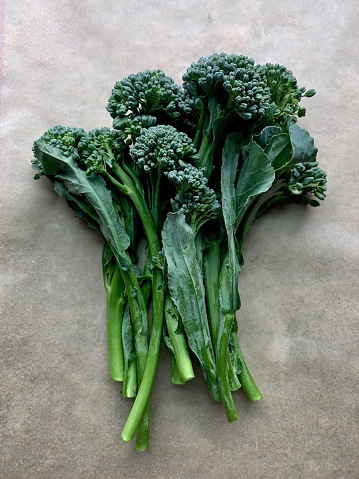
(145, 93)
(194, 198)
(162, 147)
(231, 92)
(133, 126)
(99, 147)
(63, 138)
(227, 89)
(237, 84)
(285, 95)
(308, 178)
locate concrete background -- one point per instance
(60, 415)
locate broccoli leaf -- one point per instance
(256, 176)
(279, 150)
(266, 135)
(185, 282)
(93, 187)
(80, 206)
(303, 148)
(230, 158)
(303, 145)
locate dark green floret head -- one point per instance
(285, 94)
(145, 93)
(237, 84)
(63, 138)
(132, 127)
(193, 197)
(100, 147)
(308, 178)
(162, 147)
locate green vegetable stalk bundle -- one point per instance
(187, 169)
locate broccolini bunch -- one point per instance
(188, 169)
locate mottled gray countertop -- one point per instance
(60, 415)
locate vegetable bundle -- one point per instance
(187, 170)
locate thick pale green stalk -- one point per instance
(223, 366)
(142, 400)
(248, 385)
(139, 415)
(115, 309)
(129, 385)
(212, 266)
(141, 346)
(206, 153)
(157, 204)
(176, 376)
(179, 342)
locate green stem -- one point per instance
(141, 346)
(233, 378)
(212, 134)
(176, 375)
(254, 208)
(142, 399)
(115, 310)
(212, 265)
(146, 285)
(245, 377)
(157, 205)
(133, 176)
(272, 201)
(129, 387)
(222, 365)
(206, 153)
(198, 134)
(178, 341)
(139, 414)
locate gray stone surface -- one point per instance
(60, 415)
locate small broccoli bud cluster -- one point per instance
(237, 83)
(308, 178)
(285, 93)
(144, 93)
(99, 147)
(190, 108)
(162, 147)
(194, 198)
(133, 127)
(63, 138)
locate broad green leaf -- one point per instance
(52, 160)
(279, 150)
(256, 177)
(266, 135)
(303, 145)
(286, 149)
(94, 189)
(185, 282)
(88, 213)
(231, 150)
